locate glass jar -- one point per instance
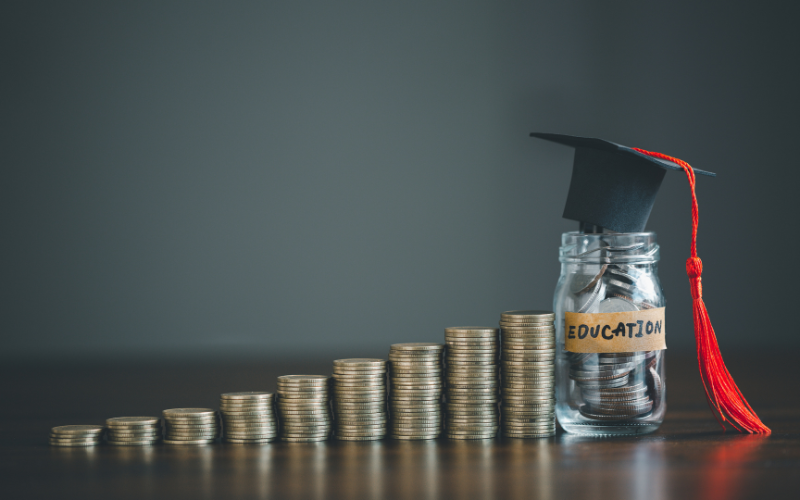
(611, 381)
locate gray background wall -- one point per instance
(278, 178)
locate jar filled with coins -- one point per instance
(610, 334)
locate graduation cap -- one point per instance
(613, 186)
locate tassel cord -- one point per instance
(726, 401)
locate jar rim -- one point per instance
(621, 248)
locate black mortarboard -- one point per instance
(613, 186)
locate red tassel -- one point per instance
(725, 399)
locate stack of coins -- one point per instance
(193, 426)
(415, 392)
(472, 382)
(359, 399)
(528, 362)
(76, 435)
(304, 407)
(248, 417)
(617, 386)
(133, 431)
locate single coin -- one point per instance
(655, 386)
(617, 304)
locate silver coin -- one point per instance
(586, 302)
(581, 283)
(617, 304)
(655, 385)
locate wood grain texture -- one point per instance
(687, 458)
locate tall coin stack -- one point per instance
(304, 407)
(472, 382)
(133, 431)
(76, 435)
(248, 417)
(359, 399)
(191, 426)
(415, 408)
(528, 361)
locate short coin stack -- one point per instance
(133, 431)
(528, 406)
(248, 417)
(191, 426)
(472, 382)
(359, 399)
(415, 392)
(304, 407)
(76, 435)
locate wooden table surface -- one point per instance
(687, 458)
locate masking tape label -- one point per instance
(615, 332)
